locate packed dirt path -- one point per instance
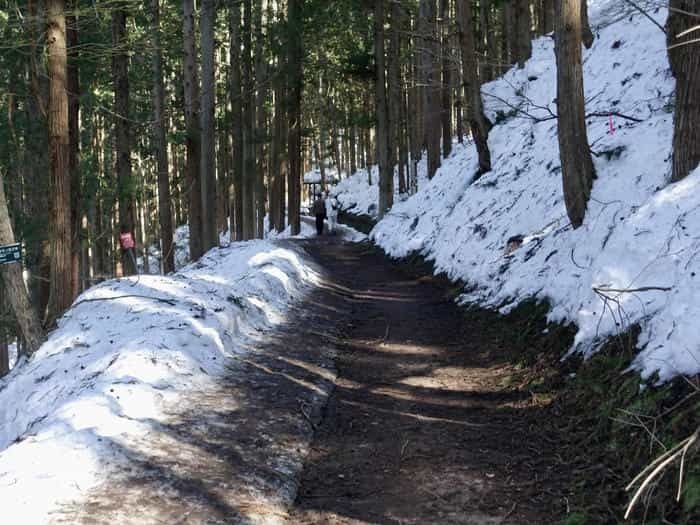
(422, 427)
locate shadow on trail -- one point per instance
(422, 426)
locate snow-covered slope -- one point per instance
(127, 351)
(639, 232)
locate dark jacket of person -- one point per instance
(319, 207)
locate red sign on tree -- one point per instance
(127, 241)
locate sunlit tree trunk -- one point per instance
(386, 171)
(576, 162)
(295, 68)
(236, 94)
(446, 91)
(475, 113)
(430, 77)
(161, 146)
(73, 86)
(122, 130)
(12, 279)
(61, 283)
(586, 33)
(684, 58)
(207, 166)
(193, 139)
(261, 93)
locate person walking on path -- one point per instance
(331, 213)
(319, 210)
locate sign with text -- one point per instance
(10, 253)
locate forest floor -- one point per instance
(424, 424)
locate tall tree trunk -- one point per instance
(61, 283)
(446, 102)
(586, 33)
(261, 120)
(295, 67)
(394, 83)
(276, 182)
(37, 163)
(236, 93)
(249, 167)
(523, 31)
(386, 170)
(122, 127)
(477, 120)
(403, 142)
(284, 161)
(193, 140)
(684, 58)
(576, 162)
(207, 166)
(12, 278)
(161, 146)
(353, 148)
(430, 76)
(415, 101)
(510, 41)
(73, 85)
(546, 18)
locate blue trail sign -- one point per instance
(10, 253)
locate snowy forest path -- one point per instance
(422, 426)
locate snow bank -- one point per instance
(639, 231)
(125, 352)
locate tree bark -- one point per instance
(161, 146)
(37, 163)
(586, 33)
(61, 283)
(475, 113)
(386, 171)
(207, 165)
(523, 30)
(236, 94)
(430, 76)
(295, 67)
(684, 58)
(547, 16)
(510, 41)
(193, 140)
(260, 96)
(415, 117)
(73, 86)
(12, 278)
(394, 83)
(126, 184)
(249, 166)
(576, 162)
(446, 91)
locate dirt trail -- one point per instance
(421, 427)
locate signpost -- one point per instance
(10, 253)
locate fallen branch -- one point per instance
(171, 302)
(613, 114)
(633, 290)
(657, 466)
